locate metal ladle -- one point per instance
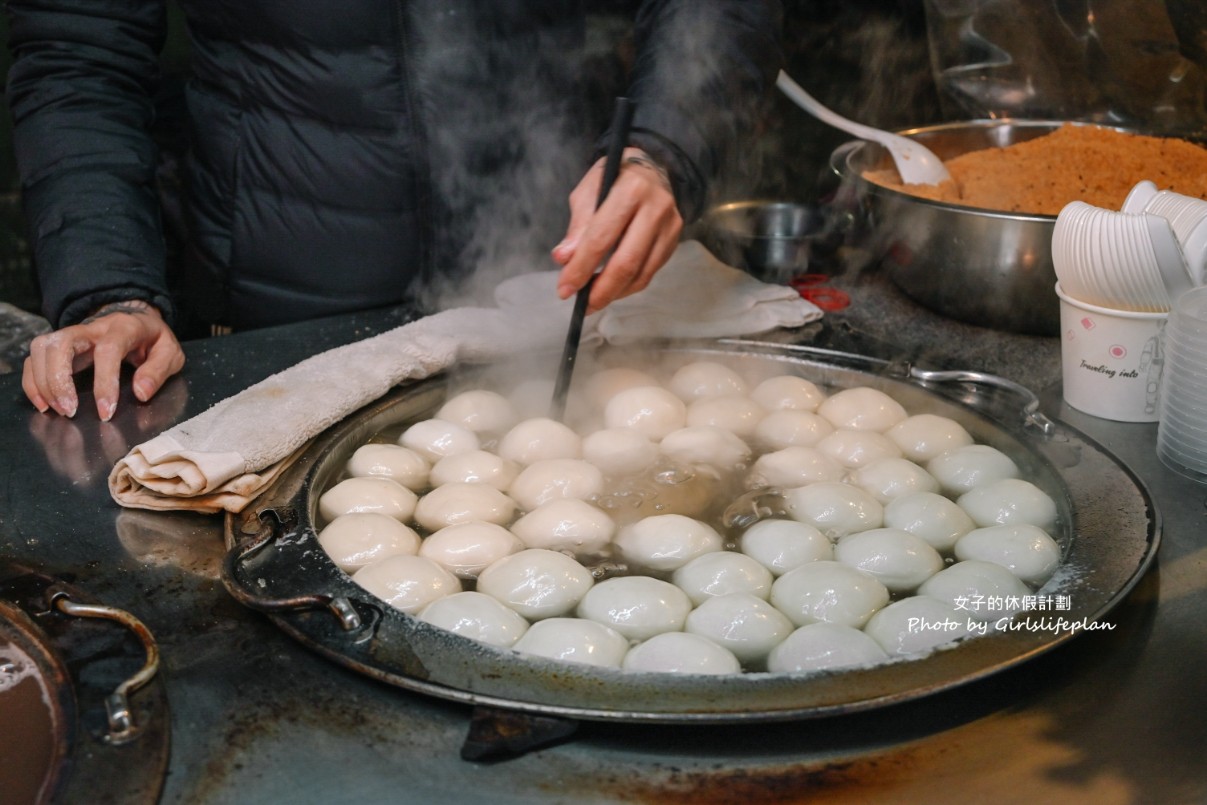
(916, 163)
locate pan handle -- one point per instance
(1031, 415)
(269, 523)
(122, 728)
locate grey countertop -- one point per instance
(1111, 717)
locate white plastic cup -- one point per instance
(1187, 217)
(1111, 360)
(1182, 432)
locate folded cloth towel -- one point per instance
(695, 295)
(223, 457)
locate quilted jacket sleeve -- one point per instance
(80, 91)
(703, 67)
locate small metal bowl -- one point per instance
(771, 240)
(988, 268)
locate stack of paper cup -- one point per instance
(1119, 274)
(1182, 432)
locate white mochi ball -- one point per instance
(360, 538)
(434, 439)
(794, 466)
(453, 504)
(835, 509)
(789, 428)
(465, 550)
(934, 518)
(781, 545)
(372, 494)
(1010, 501)
(393, 461)
(566, 525)
(828, 591)
(476, 466)
(722, 573)
(666, 541)
(476, 616)
(965, 468)
(824, 646)
(787, 392)
(407, 583)
(900, 560)
(1025, 550)
(638, 607)
(706, 445)
(539, 439)
(916, 624)
(746, 625)
(574, 640)
(858, 448)
(680, 653)
(619, 451)
(736, 414)
(605, 384)
(702, 379)
(862, 408)
(892, 478)
(923, 436)
(650, 410)
(484, 412)
(537, 583)
(556, 479)
(980, 590)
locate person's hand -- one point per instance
(132, 331)
(638, 222)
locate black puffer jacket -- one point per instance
(344, 154)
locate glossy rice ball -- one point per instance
(791, 428)
(898, 559)
(976, 589)
(474, 467)
(556, 479)
(393, 461)
(966, 468)
(915, 625)
(787, 392)
(722, 573)
(434, 439)
(680, 653)
(619, 451)
(1025, 550)
(650, 410)
(793, 467)
(361, 538)
(537, 583)
(574, 640)
(482, 411)
(637, 607)
(828, 591)
(862, 408)
(566, 525)
(922, 437)
(736, 414)
(858, 448)
(1010, 501)
(782, 545)
(704, 379)
(453, 504)
(666, 542)
(892, 478)
(477, 617)
(466, 549)
(934, 518)
(407, 583)
(835, 509)
(747, 626)
(371, 494)
(824, 647)
(539, 439)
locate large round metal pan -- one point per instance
(1108, 530)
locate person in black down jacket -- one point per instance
(349, 156)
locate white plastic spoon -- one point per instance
(916, 163)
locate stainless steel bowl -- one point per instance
(771, 240)
(984, 267)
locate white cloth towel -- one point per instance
(222, 458)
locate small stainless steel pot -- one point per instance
(988, 268)
(771, 240)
